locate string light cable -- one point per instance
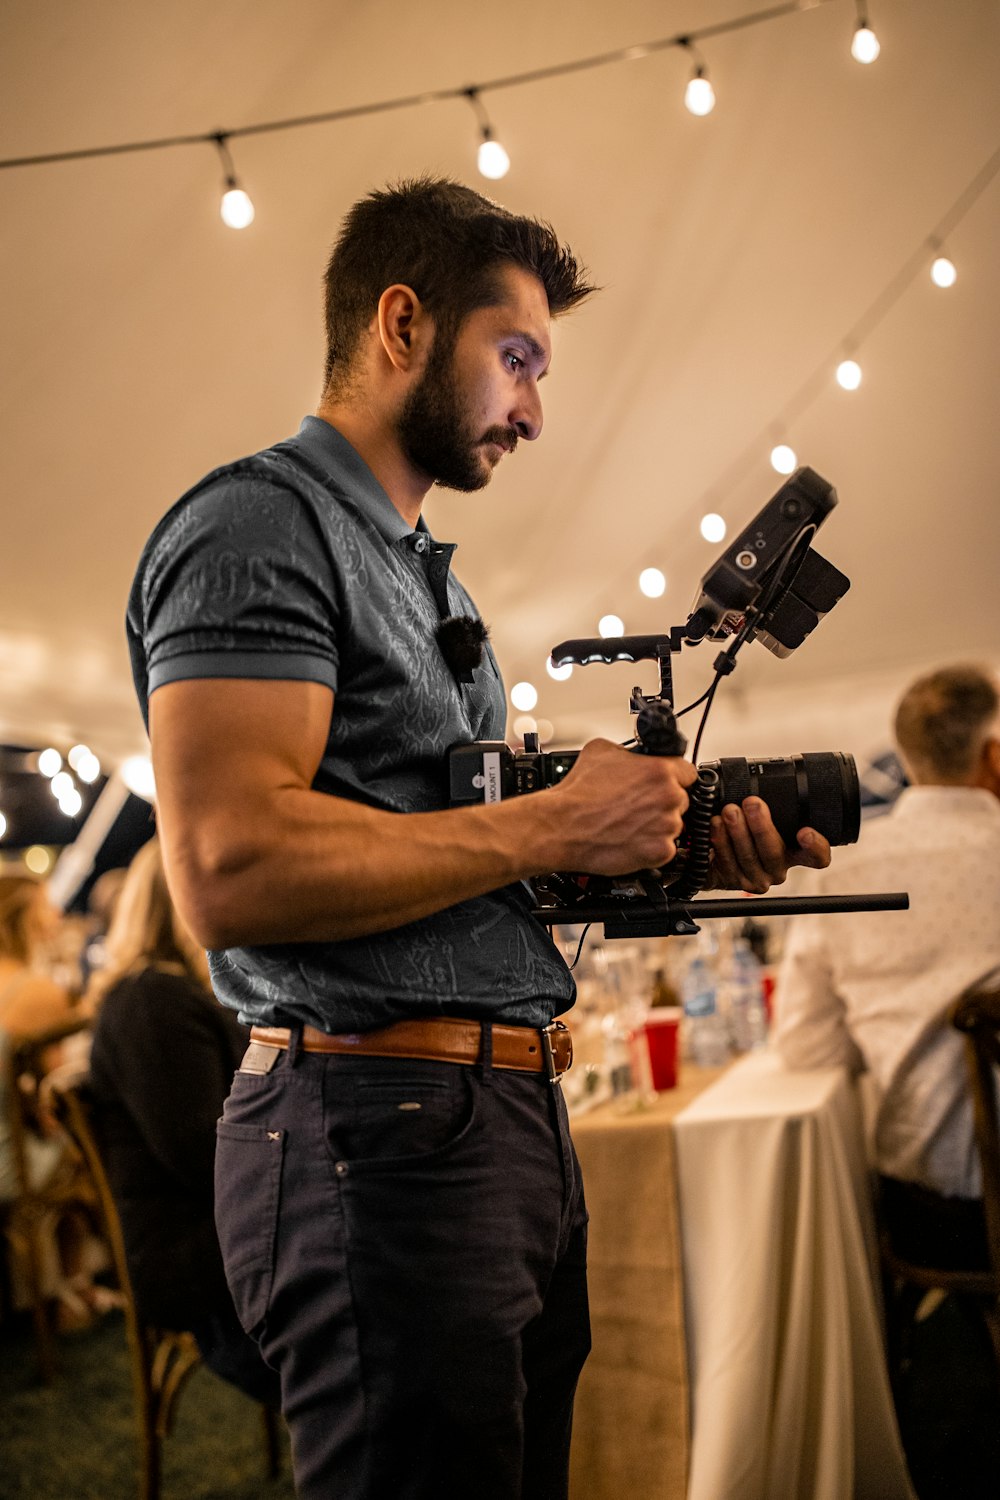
(685, 40)
(929, 255)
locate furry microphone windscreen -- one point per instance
(462, 639)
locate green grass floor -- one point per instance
(76, 1439)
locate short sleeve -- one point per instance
(236, 581)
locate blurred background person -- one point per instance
(31, 1004)
(872, 991)
(162, 1062)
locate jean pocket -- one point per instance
(400, 1119)
(248, 1160)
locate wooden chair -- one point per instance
(28, 1218)
(976, 1013)
(161, 1360)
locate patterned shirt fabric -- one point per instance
(870, 989)
(294, 564)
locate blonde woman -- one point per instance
(162, 1063)
(30, 1003)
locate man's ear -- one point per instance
(991, 765)
(405, 328)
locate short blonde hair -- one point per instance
(147, 930)
(944, 719)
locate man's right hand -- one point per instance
(619, 811)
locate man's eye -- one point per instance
(514, 361)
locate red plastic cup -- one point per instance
(662, 1026)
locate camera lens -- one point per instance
(802, 791)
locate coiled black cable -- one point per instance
(703, 800)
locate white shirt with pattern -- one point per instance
(870, 989)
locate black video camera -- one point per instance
(769, 585)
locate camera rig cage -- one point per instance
(769, 585)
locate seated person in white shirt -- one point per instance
(871, 990)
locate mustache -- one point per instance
(504, 437)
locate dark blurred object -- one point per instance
(882, 780)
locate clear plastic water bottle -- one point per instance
(752, 1009)
(707, 1039)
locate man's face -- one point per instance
(478, 393)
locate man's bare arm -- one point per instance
(254, 855)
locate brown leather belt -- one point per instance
(441, 1039)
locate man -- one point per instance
(871, 989)
(398, 1200)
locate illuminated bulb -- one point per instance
(610, 625)
(849, 374)
(713, 527)
(492, 160)
(236, 208)
(943, 272)
(524, 696)
(137, 774)
(62, 785)
(783, 458)
(524, 724)
(37, 859)
(76, 755)
(546, 729)
(559, 674)
(88, 768)
(864, 45)
(652, 582)
(49, 762)
(71, 802)
(3, 825)
(699, 96)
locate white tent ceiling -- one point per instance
(143, 342)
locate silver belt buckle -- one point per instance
(547, 1032)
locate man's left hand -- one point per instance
(749, 853)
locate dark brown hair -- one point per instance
(448, 243)
(943, 718)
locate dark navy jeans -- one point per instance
(407, 1242)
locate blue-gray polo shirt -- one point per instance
(294, 563)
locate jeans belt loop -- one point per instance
(486, 1062)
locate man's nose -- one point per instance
(526, 415)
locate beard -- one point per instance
(436, 432)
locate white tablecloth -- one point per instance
(789, 1391)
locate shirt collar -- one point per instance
(924, 801)
(330, 451)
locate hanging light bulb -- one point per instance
(609, 626)
(559, 674)
(491, 159)
(699, 96)
(943, 272)
(865, 44)
(524, 695)
(849, 374)
(3, 825)
(712, 527)
(236, 208)
(783, 458)
(652, 583)
(49, 762)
